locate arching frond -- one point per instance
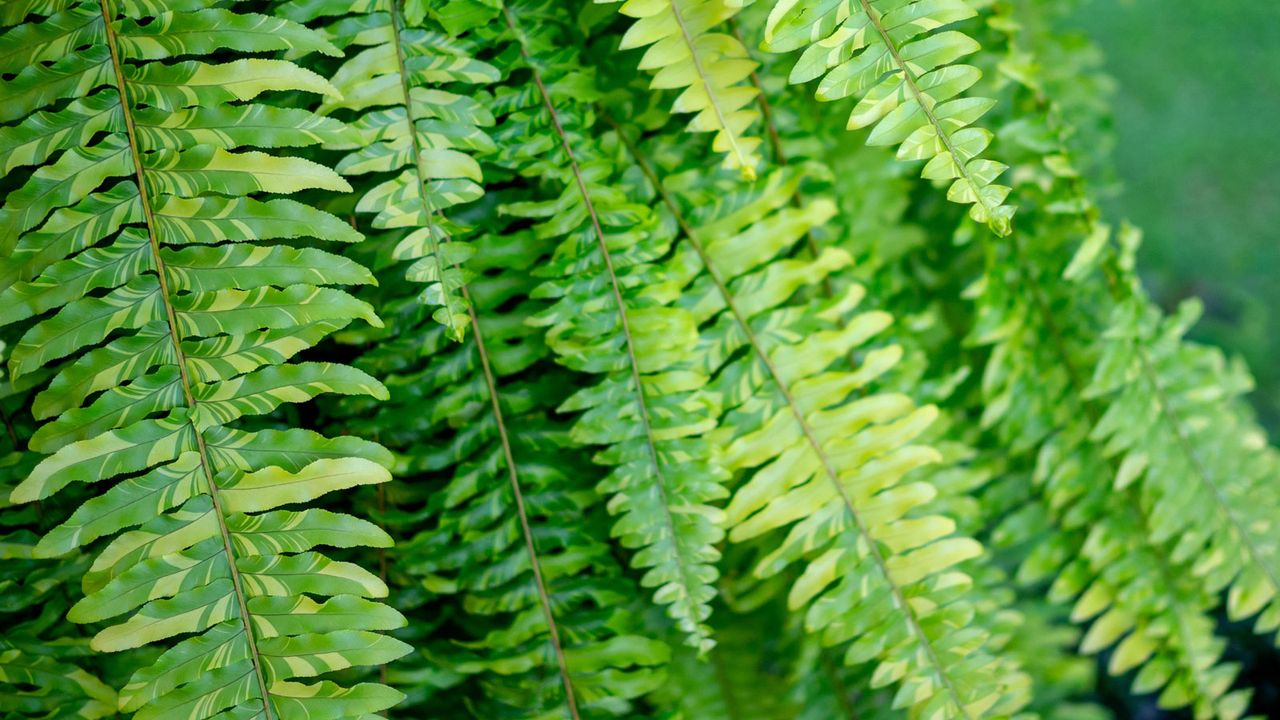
(909, 88)
(825, 460)
(134, 257)
(1111, 546)
(690, 48)
(613, 315)
(498, 510)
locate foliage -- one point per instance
(747, 421)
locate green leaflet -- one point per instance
(230, 127)
(205, 31)
(273, 486)
(207, 220)
(204, 269)
(206, 169)
(136, 270)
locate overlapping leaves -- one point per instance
(829, 468)
(691, 48)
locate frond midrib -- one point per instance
(180, 358)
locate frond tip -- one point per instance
(907, 88)
(710, 67)
(410, 98)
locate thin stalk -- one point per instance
(509, 459)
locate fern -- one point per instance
(907, 86)
(710, 66)
(546, 618)
(138, 235)
(1126, 557)
(831, 471)
(695, 406)
(612, 315)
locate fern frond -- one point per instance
(132, 255)
(411, 94)
(613, 314)
(515, 534)
(908, 87)
(827, 468)
(710, 67)
(1202, 464)
(1109, 545)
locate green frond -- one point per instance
(824, 459)
(909, 88)
(410, 93)
(157, 336)
(697, 406)
(711, 69)
(499, 512)
(1125, 553)
(613, 315)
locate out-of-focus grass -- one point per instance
(1198, 153)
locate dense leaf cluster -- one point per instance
(595, 367)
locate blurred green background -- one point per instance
(1197, 121)
(1197, 166)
